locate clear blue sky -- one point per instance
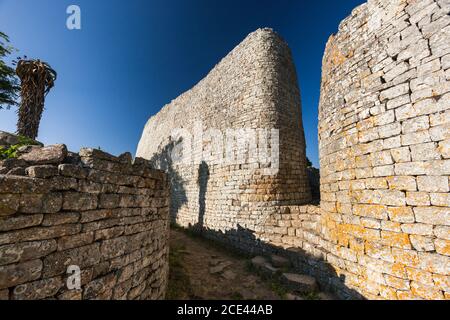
(132, 57)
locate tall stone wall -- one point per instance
(384, 130)
(101, 213)
(254, 87)
(382, 230)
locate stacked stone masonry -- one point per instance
(104, 214)
(253, 87)
(384, 131)
(382, 230)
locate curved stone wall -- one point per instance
(253, 88)
(61, 211)
(382, 230)
(384, 132)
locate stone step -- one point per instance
(263, 265)
(300, 283)
(220, 267)
(279, 261)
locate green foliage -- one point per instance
(11, 151)
(308, 162)
(9, 87)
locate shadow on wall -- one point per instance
(203, 177)
(314, 183)
(245, 242)
(163, 161)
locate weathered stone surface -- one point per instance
(4, 294)
(94, 215)
(433, 183)
(37, 290)
(9, 204)
(21, 222)
(44, 171)
(72, 170)
(59, 218)
(287, 185)
(39, 233)
(71, 295)
(52, 202)
(400, 71)
(57, 263)
(220, 267)
(280, 262)
(259, 262)
(8, 139)
(15, 274)
(79, 201)
(60, 183)
(109, 201)
(17, 184)
(383, 130)
(12, 163)
(47, 155)
(432, 215)
(25, 251)
(16, 172)
(100, 287)
(52, 215)
(110, 233)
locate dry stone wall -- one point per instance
(104, 214)
(254, 87)
(385, 146)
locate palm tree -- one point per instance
(9, 87)
(37, 78)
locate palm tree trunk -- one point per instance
(32, 101)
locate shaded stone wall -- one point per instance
(93, 210)
(253, 87)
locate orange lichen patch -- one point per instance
(419, 276)
(333, 57)
(371, 235)
(397, 269)
(426, 292)
(378, 251)
(406, 257)
(394, 239)
(351, 229)
(357, 245)
(366, 124)
(343, 239)
(442, 246)
(388, 293)
(336, 56)
(370, 210)
(442, 282)
(359, 231)
(397, 283)
(407, 295)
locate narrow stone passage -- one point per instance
(201, 269)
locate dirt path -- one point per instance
(202, 270)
